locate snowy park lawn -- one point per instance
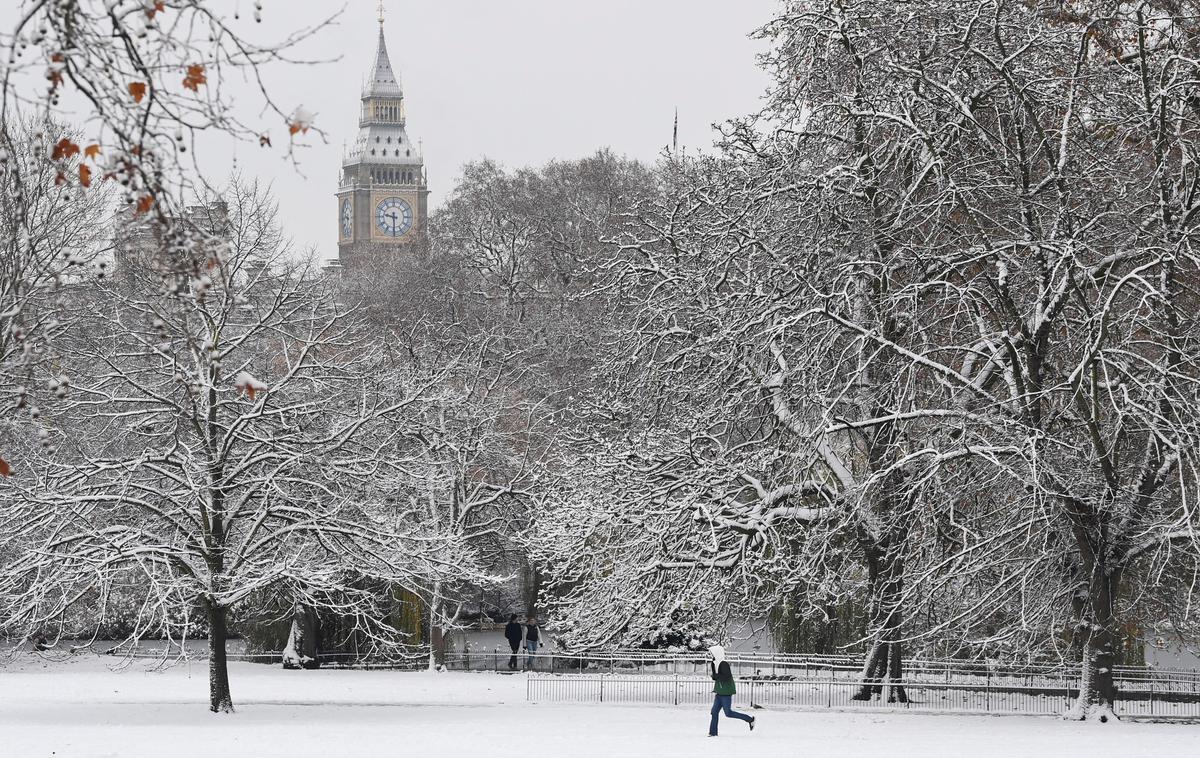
(82, 708)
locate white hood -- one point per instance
(718, 654)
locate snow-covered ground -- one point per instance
(83, 709)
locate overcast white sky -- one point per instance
(520, 81)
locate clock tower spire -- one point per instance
(382, 194)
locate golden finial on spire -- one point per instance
(381, 12)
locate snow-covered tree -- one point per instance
(225, 443)
(118, 93)
(1034, 164)
(949, 263)
(504, 302)
(49, 245)
(147, 77)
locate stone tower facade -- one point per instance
(383, 195)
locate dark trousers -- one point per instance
(724, 703)
(515, 645)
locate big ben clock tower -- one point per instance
(383, 196)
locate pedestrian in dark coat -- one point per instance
(723, 690)
(532, 638)
(512, 633)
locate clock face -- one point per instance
(347, 218)
(394, 217)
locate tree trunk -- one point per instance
(885, 587)
(301, 651)
(219, 699)
(533, 586)
(884, 664)
(896, 673)
(437, 637)
(873, 671)
(437, 648)
(1097, 690)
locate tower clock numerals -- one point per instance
(347, 219)
(393, 217)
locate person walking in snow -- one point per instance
(531, 640)
(512, 633)
(723, 690)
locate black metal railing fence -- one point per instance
(839, 694)
(807, 668)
